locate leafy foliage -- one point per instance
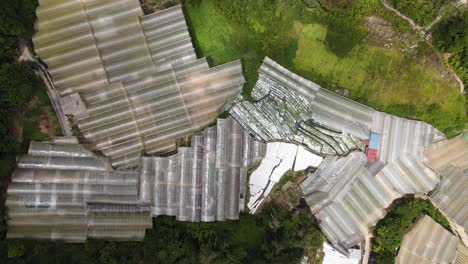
(389, 231)
(451, 35)
(275, 236)
(422, 12)
(16, 20)
(17, 83)
(331, 5)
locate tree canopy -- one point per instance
(451, 35)
(16, 20)
(389, 231)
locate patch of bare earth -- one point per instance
(380, 33)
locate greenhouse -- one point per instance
(140, 84)
(428, 242)
(281, 109)
(62, 191)
(347, 194)
(203, 182)
(449, 159)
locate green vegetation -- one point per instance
(329, 48)
(333, 5)
(423, 12)
(16, 20)
(17, 84)
(275, 236)
(451, 35)
(389, 231)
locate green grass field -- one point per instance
(299, 39)
(383, 79)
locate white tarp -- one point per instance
(280, 157)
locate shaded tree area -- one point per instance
(389, 231)
(16, 20)
(275, 236)
(451, 35)
(18, 83)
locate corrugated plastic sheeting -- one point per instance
(139, 76)
(189, 102)
(50, 194)
(427, 242)
(349, 195)
(318, 99)
(402, 137)
(346, 198)
(202, 182)
(408, 175)
(47, 149)
(448, 152)
(280, 157)
(287, 107)
(462, 254)
(281, 109)
(451, 195)
(334, 257)
(353, 117)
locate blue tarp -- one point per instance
(374, 141)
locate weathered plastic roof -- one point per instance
(282, 109)
(350, 194)
(451, 195)
(450, 159)
(428, 242)
(204, 182)
(448, 152)
(140, 81)
(62, 191)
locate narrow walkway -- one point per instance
(423, 30)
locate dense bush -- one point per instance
(331, 5)
(17, 84)
(389, 231)
(422, 12)
(16, 20)
(451, 35)
(275, 236)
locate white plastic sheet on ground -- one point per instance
(332, 256)
(280, 157)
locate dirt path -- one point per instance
(367, 248)
(423, 30)
(409, 20)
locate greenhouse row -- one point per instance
(140, 84)
(383, 155)
(205, 182)
(60, 190)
